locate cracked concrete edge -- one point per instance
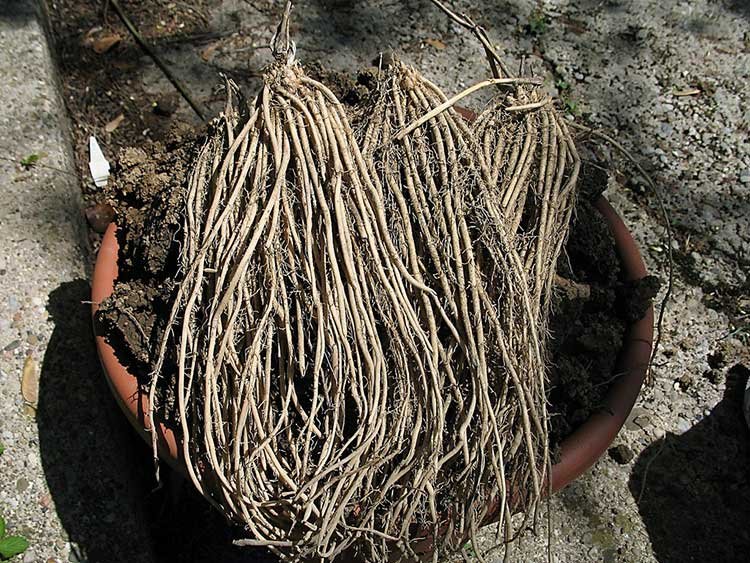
(44, 249)
(52, 66)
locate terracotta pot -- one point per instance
(588, 442)
(578, 452)
(132, 399)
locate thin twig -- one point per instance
(137, 325)
(648, 467)
(158, 60)
(493, 58)
(458, 97)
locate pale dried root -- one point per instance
(357, 330)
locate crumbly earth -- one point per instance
(588, 320)
(146, 195)
(666, 78)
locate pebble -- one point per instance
(683, 425)
(715, 359)
(45, 501)
(685, 381)
(665, 130)
(165, 106)
(622, 454)
(22, 484)
(713, 375)
(100, 216)
(643, 422)
(12, 346)
(73, 556)
(745, 176)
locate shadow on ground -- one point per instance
(696, 499)
(99, 471)
(16, 12)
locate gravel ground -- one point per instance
(64, 473)
(668, 79)
(40, 230)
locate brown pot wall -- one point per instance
(131, 398)
(580, 450)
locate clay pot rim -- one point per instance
(578, 452)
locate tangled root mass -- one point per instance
(358, 317)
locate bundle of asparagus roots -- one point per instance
(357, 332)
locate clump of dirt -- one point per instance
(147, 198)
(146, 194)
(101, 84)
(351, 90)
(592, 309)
(634, 297)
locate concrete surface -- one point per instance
(55, 466)
(685, 494)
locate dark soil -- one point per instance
(100, 85)
(589, 319)
(146, 195)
